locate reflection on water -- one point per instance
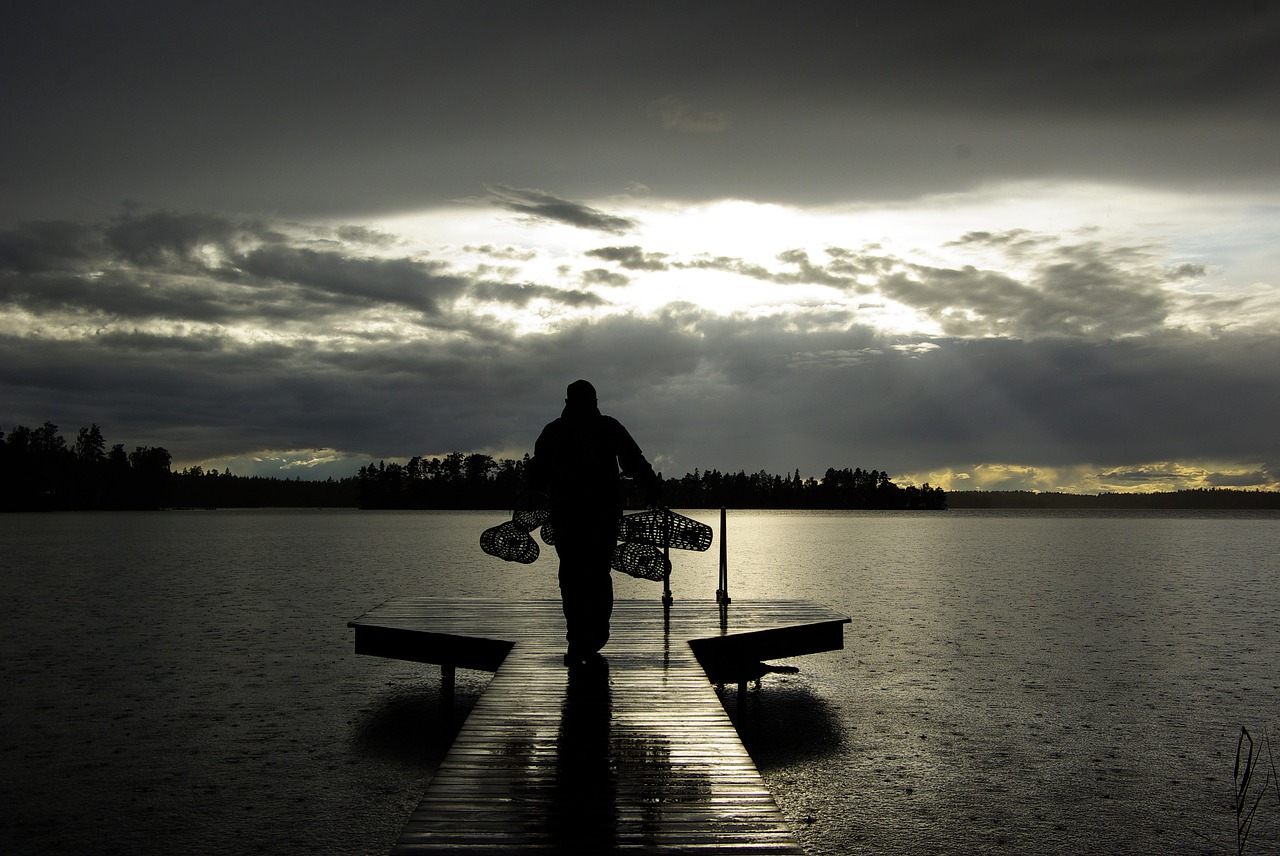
(1028, 682)
(784, 723)
(414, 728)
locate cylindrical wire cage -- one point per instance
(644, 539)
(665, 528)
(509, 542)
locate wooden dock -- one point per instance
(635, 755)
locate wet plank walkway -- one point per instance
(635, 755)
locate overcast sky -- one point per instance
(983, 245)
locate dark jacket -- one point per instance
(577, 458)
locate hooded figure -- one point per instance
(576, 462)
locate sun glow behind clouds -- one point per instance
(920, 276)
(736, 257)
(1161, 476)
(308, 464)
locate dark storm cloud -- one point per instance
(541, 205)
(522, 294)
(676, 115)
(1072, 290)
(506, 253)
(421, 285)
(807, 271)
(729, 264)
(697, 390)
(1083, 298)
(838, 273)
(129, 295)
(1015, 243)
(165, 239)
(1050, 403)
(1240, 480)
(49, 246)
(600, 276)
(131, 267)
(330, 109)
(157, 240)
(207, 269)
(364, 235)
(631, 258)
(292, 112)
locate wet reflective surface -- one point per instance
(634, 751)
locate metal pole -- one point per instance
(722, 592)
(667, 599)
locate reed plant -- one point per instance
(1250, 757)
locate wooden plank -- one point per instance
(636, 755)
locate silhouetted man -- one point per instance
(576, 462)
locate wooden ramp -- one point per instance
(637, 754)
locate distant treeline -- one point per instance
(40, 471)
(480, 481)
(1195, 498)
(845, 488)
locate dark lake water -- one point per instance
(1012, 682)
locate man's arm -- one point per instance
(633, 462)
(536, 473)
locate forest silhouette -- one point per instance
(41, 471)
(479, 481)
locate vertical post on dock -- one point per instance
(722, 589)
(448, 673)
(667, 599)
